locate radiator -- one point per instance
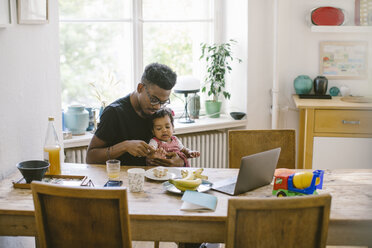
(212, 146)
(76, 155)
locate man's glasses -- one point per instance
(155, 101)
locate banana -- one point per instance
(189, 175)
(198, 171)
(190, 180)
(198, 174)
(186, 184)
(184, 173)
(184, 188)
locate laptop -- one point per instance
(256, 170)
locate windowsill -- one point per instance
(207, 124)
(201, 125)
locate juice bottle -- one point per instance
(52, 149)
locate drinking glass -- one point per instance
(136, 179)
(113, 169)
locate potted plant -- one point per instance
(218, 58)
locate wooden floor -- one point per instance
(138, 244)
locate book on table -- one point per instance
(196, 201)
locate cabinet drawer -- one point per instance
(343, 121)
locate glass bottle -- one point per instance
(52, 149)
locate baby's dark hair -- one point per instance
(161, 113)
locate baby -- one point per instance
(164, 142)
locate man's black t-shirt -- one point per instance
(119, 121)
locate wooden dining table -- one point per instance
(155, 213)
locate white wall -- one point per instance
(236, 28)
(298, 51)
(260, 37)
(29, 92)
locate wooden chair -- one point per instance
(247, 142)
(278, 222)
(81, 217)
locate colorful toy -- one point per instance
(287, 183)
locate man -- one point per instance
(125, 126)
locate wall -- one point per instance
(298, 53)
(29, 92)
(260, 30)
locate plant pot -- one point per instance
(213, 108)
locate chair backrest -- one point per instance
(247, 142)
(81, 217)
(278, 222)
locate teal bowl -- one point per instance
(237, 115)
(33, 170)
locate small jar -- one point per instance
(77, 119)
(194, 106)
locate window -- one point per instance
(105, 44)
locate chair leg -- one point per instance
(37, 243)
(156, 244)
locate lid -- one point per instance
(50, 118)
(78, 107)
(330, 16)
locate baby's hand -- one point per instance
(194, 154)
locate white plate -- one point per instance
(203, 187)
(172, 173)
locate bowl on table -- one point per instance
(33, 170)
(237, 115)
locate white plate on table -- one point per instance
(203, 187)
(172, 173)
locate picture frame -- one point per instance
(5, 13)
(344, 59)
(33, 11)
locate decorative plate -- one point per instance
(172, 173)
(203, 187)
(357, 99)
(329, 16)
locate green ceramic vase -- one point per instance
(213, 108)
(303, 84)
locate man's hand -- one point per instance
(138, 148)
(158, 153)
(172, 160)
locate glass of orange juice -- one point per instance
(113, 169)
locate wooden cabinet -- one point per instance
(329, 118)
(342, 121)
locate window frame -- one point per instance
(137, 21)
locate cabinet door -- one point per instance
(342, 153)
